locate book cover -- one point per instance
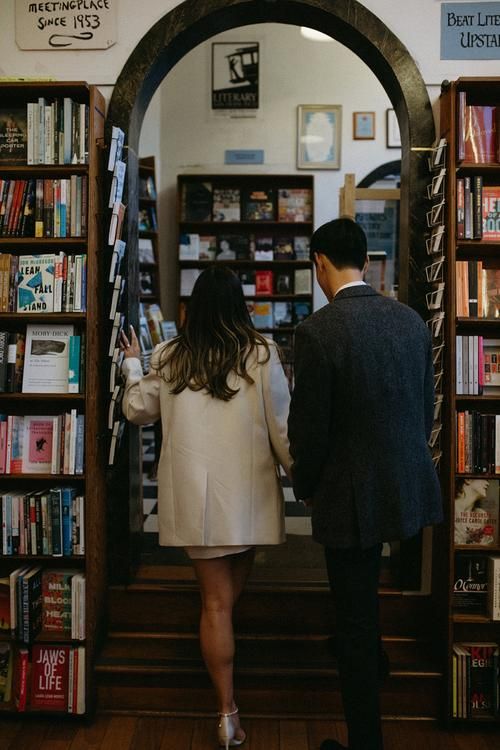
(470, 584)
(482, 679)
(247, 279)
(283, 314)
(258, 205)
(37, 455)
(263, 314)
(264, 248)
(56, 600)
(35, 283)
(6, 657)
(283, 283)
(303, 281)
(480, 134)
(4, 347)
(283, 248)
(5, 620)
(226, 204)
(295, 205)
(476, 511)
(301, 246)
(196, 201)
(21, 679)
(493, 564)
(49, 677)
(13, 135)
(491, 365)
(46, 359)
(301, 310)
(491, 213)
(207, 247)
(146, 251)
(490, 284)
(264, 283)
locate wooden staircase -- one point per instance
(151, 662)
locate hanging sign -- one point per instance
(470, 31)
(66, 24)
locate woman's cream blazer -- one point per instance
(218, 475)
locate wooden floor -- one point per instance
(134, 733)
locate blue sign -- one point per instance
(470, 31)
(245, 156)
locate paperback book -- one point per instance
(35, 284)
(46, 359)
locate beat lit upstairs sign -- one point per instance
(470, 31)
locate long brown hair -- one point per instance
(217, 338)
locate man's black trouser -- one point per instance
(354, 576)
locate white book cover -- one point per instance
(35, 283)
(46, 358)
(458, 353)
(302, 281)
(117, 183)
(188, 279)
(116, 258)
(115, 149)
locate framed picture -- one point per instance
(235, 75)
(392, 130)
(363, 126)
(319, 136)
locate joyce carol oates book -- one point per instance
(13, 136)
(35, 283)
(476, 512)
(49, 677)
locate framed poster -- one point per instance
(319, 136)
(392, 130)
(363, 126)
(235, 75)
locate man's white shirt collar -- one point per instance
(350, 283)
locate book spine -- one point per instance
(74, 364)
(66, 522)
(80, 443)
(56, 516)
(477, 214)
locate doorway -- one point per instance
(172, 38)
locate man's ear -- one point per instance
(319, 260)
(365, 267)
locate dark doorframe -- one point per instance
(191, 23)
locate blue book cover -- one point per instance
(74, 365)
(67, 511)
(56, 521)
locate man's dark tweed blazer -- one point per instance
(360, 418)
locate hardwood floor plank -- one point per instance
(31, 735)
(293, 735)
(148, 734)
(317, 731)
(119, 733)
(204, 735)
(262, 734)
(60, 736)
(9, 728)
(91, 737)
(177, 734)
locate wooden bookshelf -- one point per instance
(463, 626)
(252, 221)
(90, 484)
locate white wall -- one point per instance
(294, 71)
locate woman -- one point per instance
(222, 396)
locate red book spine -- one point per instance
(21, 690)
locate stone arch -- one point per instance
(350, 23)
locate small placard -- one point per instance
(244, 156)
(470, 31)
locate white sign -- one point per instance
(66, 24)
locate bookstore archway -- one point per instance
(163, 46)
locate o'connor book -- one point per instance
(46, 358)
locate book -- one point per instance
(116, 146)
(470, 584)
(5, 620)
(13, 135)
(490, 287)
(117, 183)
(116, 222)
(37, 440)
(4, 347)
(493, 564)
(283, 314)
(233, 247)
(264, 248)
(491, 213)
(35, 283)
(476, 512)
(188, 279)
(302, 281)
(46, 359)
(57, 600)
(247, 279)
(117, 256)
(283, 282)
(295, 205)
(226, 204)
(264, 283)
(196, 201)
(481, 678)
(301, 246)
(258, 205)
(6, 661)
(301, 310)
(207, 247)
(480, 144)
(263, 314)
(49, 677)
(146, 251)
(189, 246)
(283, 248)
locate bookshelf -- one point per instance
(82, 530)
(470, 464)
(148, 237)
(260, 226)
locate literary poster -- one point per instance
(235, 76)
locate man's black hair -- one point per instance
(343, 242)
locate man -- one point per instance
(360, 419)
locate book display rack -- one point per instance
(148, 231)
(52, 580)
(260, 226)
(470, 242)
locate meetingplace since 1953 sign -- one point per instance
(66, 24)
(470, 31)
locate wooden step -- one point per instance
(283, 676)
